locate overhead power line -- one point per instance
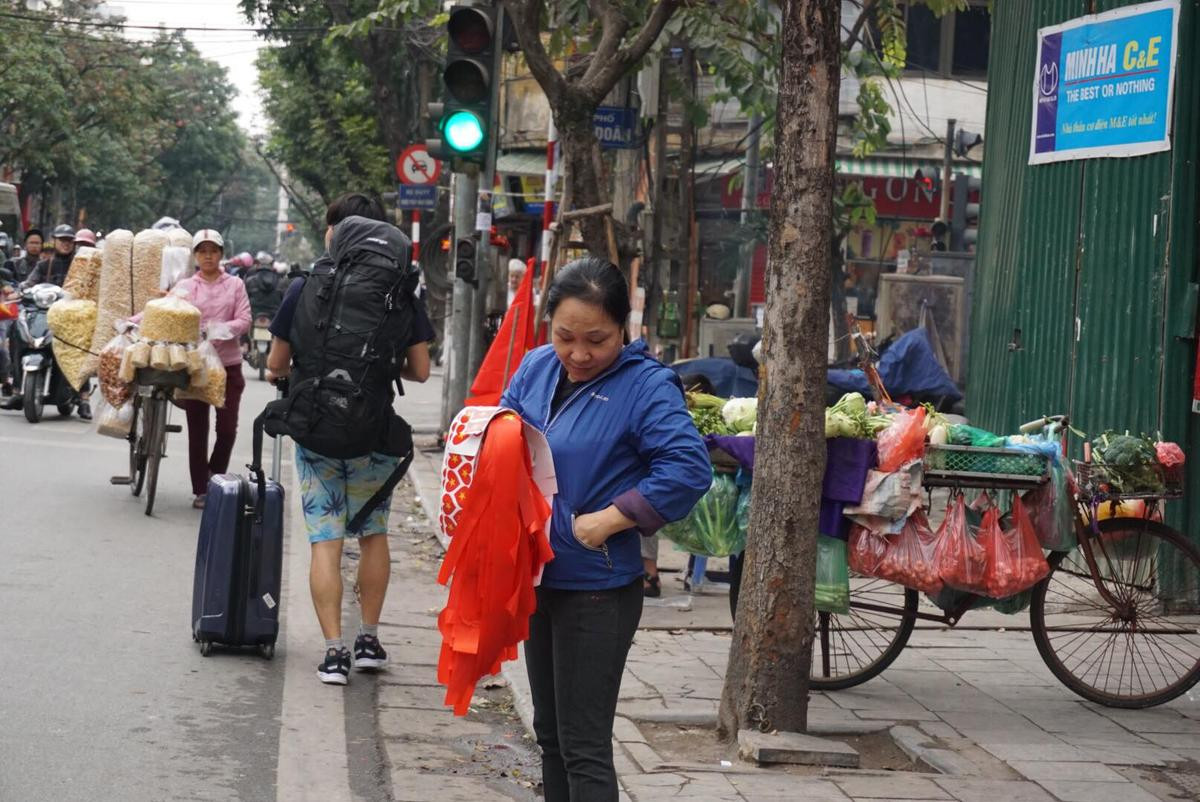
(262, 31)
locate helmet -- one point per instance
(64, 231)
(243, 259)
(85, 236)
(166, 224)
(265, 259)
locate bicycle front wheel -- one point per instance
(1145, 649)
(156, 433)
(849, 649)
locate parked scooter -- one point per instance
(43, 383)
(260, 345)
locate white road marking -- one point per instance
(312, 738)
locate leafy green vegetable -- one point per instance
(849, 417)
(711, 528)
(1128, 463)
(709, 421)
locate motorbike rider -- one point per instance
(264, 286)
(55, 270)
(17, 270)
(85, 236)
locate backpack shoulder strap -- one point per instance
(360, 518)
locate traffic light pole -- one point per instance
(466, 190)
(486, 264)
(947, 167)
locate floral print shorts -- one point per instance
(332, 491)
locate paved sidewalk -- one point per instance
(976, 706)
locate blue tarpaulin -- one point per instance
(729, 379)
(908, 367)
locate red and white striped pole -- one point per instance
(548, 196)
(416, 238)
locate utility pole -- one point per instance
(741, 288)
(947, 166)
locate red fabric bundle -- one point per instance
(499, 546)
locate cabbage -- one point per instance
(740, 413)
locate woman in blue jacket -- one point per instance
(627, 460)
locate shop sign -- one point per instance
(1104, 84)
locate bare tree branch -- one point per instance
(527, 18)
(610, 71)
(613, 25)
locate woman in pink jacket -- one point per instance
(224, 317)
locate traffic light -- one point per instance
(929, 179)
(964, 140)
(964, 217)
(464, 116)
(464, 259)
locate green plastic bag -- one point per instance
(711, 528)
(832, 593)
(963, 435)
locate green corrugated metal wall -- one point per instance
(1111, 242)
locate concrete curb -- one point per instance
(922, 747)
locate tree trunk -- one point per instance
(766, 686)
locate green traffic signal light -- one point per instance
(463, 131)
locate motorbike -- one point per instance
(260, 345)
(42, 383)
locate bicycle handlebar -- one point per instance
(1041, 423)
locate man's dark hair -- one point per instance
(355, 204)
(34, 231)
(595, 281)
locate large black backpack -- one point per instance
(352, 325)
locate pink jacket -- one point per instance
(221, 301)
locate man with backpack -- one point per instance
(344, 336)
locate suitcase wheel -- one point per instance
(205, 648)
(267, 650)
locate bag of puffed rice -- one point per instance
(207, 385)
(170, 320)
(83, 278)
(179, 238)
(116, 297)
(72, 322)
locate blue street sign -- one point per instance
(615, 127)
(418, 196)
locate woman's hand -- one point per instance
(593, 529)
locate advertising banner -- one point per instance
(1104, 84)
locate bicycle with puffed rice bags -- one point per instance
(152, 403)
(1116, 617)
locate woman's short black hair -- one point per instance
(595, 281)
(34, 232)
(353, 204)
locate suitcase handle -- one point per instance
(256, 470)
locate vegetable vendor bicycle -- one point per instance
(1117, 620)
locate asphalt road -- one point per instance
(105, 695)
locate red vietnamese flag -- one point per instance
(512, 341)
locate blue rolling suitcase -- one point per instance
(239, 559)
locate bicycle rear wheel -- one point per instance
(137, 448)
(1142, 652)
(849, 649)
(156, 432)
